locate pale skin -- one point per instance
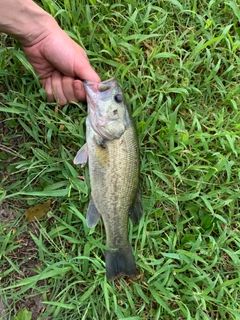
(59, 61)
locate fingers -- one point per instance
(58, 88)
(79, 90)
(67, 84)
(48, 88)
(63, 89)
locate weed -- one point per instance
(178, 64)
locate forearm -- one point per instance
(25, 20)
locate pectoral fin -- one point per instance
(136, 210)
(82, 156)
(93, 215)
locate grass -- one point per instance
(178, 63)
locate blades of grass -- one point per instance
(87, 293)
(24, 61)
(52, 194)
(182, 160)
(232, 142)
(159, 300)
(235, 8)
(130, 318)
(11, 110)
(176, 3)
(130, 22)
(208, 43)
(106, 289)
(167, 55)
(46, 274)
(14, 266)
(60, 305)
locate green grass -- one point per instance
(178, 63)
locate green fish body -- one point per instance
(113, 159)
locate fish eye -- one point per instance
(118, 98)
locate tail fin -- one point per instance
(120, 263)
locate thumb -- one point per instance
(84, 71)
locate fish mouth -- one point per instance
(107, 84)
(102, 84)
(98, 90)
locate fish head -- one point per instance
(107, 112)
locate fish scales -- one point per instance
(113, 158)
(114, 186)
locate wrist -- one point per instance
(25, 21)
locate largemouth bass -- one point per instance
(113, 157)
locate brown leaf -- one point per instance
(37, 211)
(81, 178)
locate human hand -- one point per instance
(62, 65)
(59, 61)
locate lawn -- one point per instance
(179, 66)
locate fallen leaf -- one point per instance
(23, 314)
(37, 211)
(81, 178)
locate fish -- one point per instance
(112, 153)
